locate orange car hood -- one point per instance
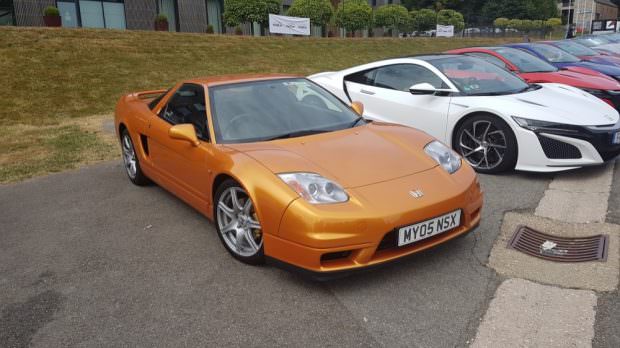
(352, 157)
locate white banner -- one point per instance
(445, 30)
(289, 25)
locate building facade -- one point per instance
(183, 15)
(581, 13)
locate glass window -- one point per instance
(214, 15)
(364, 77)
(478, 77)
(575, 48)
(6, 12)
(525, 62)
(489, 58)
(114, 14)
(554, 54)
(282, 108)
(187, 105)
(91, 13)
(168, 8)
(402, 76)
(68, 14)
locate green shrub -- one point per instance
(320, 12)
(51, 11)
(357, 15)
(210, 29)
(161, 18)
(238, 30)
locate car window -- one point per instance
(554, 54)
(489, 58)
(365, 77)
(273, 109)
(575, 48)
(187, 105)
(525, 62)
(402, 76)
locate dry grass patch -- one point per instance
(56, 77)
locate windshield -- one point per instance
(591, 41)
(474, 76)
(525, 62)
(554, 54)
(273, 109)
(575, 48)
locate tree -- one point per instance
(553, 22)
(354, 15)
(451, 17)
(247, 11)
(395, 17)
(319, 11)
(425, 19)
(523, 9)
(501, 22)
(515, 24)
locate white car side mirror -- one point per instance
(422, 88)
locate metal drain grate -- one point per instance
(545, 246)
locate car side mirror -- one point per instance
(184, 132)
(358, 107)
(423, 88)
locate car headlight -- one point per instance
(449, 160)
(537, 125)
(315, 188)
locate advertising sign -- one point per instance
(445, 30)
(289, 25)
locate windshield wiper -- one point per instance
(296, 134)
(355, 123)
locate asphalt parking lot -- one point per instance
(87, 259)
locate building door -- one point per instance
(214, 15)
(68, 14)
(6, 12)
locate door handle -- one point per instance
(367, 92)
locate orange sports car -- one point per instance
(290, 173)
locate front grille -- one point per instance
(556, 149)
(389, 241)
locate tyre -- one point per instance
(131, 162)
(487, 143)
(237, 223)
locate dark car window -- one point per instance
(489, 58)
(364, 77)
(525, 62)
(187, 105)
(554, 54)
(402, 76)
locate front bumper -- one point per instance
(560, 149)
(356, 235)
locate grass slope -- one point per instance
(55, 80)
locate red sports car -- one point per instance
(534, 70)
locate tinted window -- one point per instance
(187, 105)
(265, 110)
(363, 77)
(478, 77)
(575, 48)
(525, 62)
(554, 54)
(402, 76)
(489, 58)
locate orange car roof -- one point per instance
(226, 79)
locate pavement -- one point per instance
(87, 259)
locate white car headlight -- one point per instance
(444, 156)
(315, 188)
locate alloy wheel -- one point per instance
(129, 156)
(238, 223)
(483, 145)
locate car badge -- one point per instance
(416, 193)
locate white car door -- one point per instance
(384, 91)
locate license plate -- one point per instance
(422, 230)
(615, 138)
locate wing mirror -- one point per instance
(358, 107)
(423, 88)
(427, 88)
(184, 132)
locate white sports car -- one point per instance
(495, 120)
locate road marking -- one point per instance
(526, 314)
(578, 196)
